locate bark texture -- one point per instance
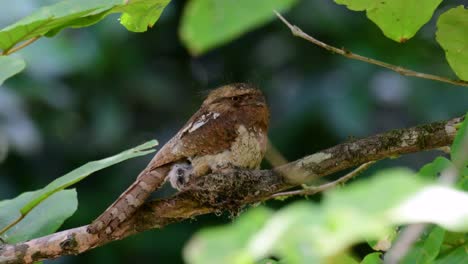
(232, 190)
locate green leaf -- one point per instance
(427, 248)
(435, 168)
(52, 17)
(459, 255)
(383, 185)
(82, 172)
(305, 232)
(359, 212)
(452, 35)
(340, 259)
(29, 202)
(84, 21)
(222, 244)
(44, 219)
(435, 204)
(289, 229)
(432, 170)
(398, 19)
(210, 23)
(9, 66)
(463, 182)
(142, 14)
(459, 149)
(137, 15)
(346, 216)
(267, 261)
(372, 258)
(453, 240)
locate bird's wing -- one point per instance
(205, 133)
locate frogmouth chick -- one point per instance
(180, 174)
(228, 131)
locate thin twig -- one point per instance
(296, 31)
(310, 190)
(20, 46)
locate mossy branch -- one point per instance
(238, 188)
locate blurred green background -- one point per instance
(92, 92)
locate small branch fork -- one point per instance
(240, 188)
(296, 31)
(311, 190)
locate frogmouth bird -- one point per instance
(229, 131)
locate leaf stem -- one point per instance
(20, 46)
(10, 225)
(296, 31)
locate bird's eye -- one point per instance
(235, 98)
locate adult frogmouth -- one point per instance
(228, 131)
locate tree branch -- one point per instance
(311, 190)
(232, 190)
(296, 31)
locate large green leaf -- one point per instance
(137, 15)
(453, 240)
(82, 172)
(141, 14)
(458, 255)
(433, 170)
(9, 66)
(372, 258)
(343, 258)
(52, 17)
(358, 193)
(296, 226)
(28, 202)
(431, 204)
(398, 19)
(306, 232)
(452, 35)
(44, 219)
(436, 204)
(463, 182)
(210, 23)
(215, 245)
(355, 217)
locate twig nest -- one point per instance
(232, 189)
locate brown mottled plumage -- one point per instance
(228, 131)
